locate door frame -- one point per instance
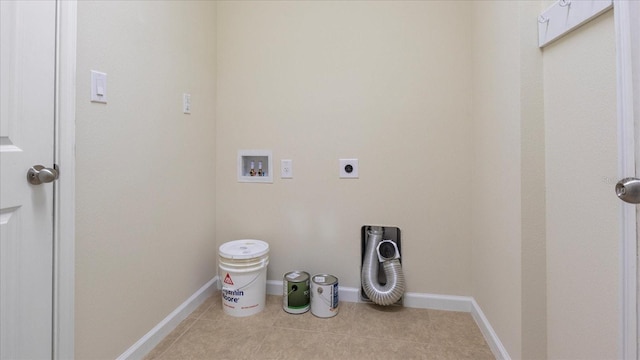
(64, 188)
(627, 63)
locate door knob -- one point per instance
(628, 190)
(39, 174)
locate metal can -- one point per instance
(295, 299)
(324, 295)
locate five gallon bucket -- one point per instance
(243, 272)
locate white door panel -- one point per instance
(27, 78)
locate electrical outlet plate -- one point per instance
(349, 168)
(286, 169)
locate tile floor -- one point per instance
(359, 331)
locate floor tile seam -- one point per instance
(179, 336)
(159, 357)
(407, 342)
(184, 331)
(264, 338)
(348, 334)
(266, 324)
(436, 329)
(392, 339)
(344, 333)
(321, 330)
(301, 330)
(298, 330)
(333, 332)
(205, 312)
(440, 341)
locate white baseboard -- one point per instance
(347, 294)
(438, 302)
(412, 300)
(144, 346)
(490, 336)
(427, 301)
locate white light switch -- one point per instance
(98, 87)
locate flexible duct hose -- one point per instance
(392, 291)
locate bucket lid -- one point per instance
(243, 249)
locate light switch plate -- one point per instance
(98, 87)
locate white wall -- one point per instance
(496, 196)
(508, 222)
(533, 203)
(145, 218)
(386, 82)
(582, 210)
(508, 175)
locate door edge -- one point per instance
(627, 167)
(64, 189)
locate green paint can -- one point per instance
(295, 299)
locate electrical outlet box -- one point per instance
(255, 166)
(349, 168)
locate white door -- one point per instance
(27, 90)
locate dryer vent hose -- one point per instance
(392, 291)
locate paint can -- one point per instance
(243, 272)
(295, 299)
(324, 295)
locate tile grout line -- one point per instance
(346, 334)
(185, 330)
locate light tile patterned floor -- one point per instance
(359, 331)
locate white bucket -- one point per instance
(243, 273)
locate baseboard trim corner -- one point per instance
(499, 351)
(151, 339)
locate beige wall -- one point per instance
(386, 82)
(496, 196)
(508, 175)
(145, 223)
(533, 255)
(442, 102)
(582, 212)
(557, 297)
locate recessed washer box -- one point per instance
(255, 166)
